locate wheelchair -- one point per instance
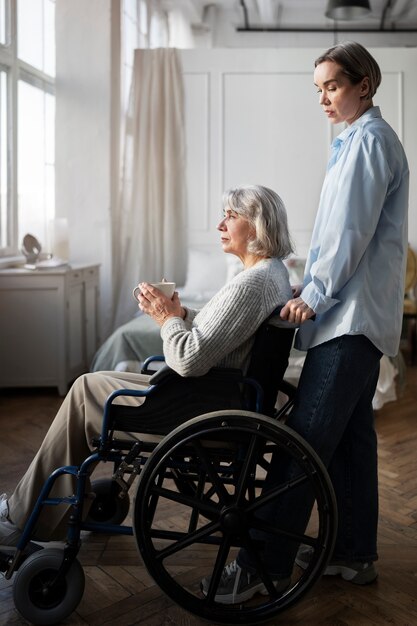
(199, 495)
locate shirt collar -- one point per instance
(373, 112)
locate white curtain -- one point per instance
(150, 240)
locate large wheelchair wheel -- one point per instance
(201, 496)
(37, 597)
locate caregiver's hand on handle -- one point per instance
(158, 306)
(296, 311)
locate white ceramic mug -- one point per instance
(166, 288)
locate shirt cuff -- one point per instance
(317, 300)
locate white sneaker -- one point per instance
(352, 571)
(238, 585)
(9, 532)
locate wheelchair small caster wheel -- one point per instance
(36, 599)
(108, 507)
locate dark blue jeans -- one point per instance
(333, 413)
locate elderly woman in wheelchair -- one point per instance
(200, 433)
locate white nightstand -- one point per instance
(48, 325)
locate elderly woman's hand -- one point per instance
(296, 311)
(155, 304)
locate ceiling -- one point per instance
(309, 14)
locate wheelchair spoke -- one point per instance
(219, 565)
(273, 493)
(211, 472)
(199, 495)
(264, 464)
(193, 503)
(210, 492)
(188, 540)
(246, 469)
(259, 524)
(260, 567)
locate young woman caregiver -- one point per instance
(354, 288)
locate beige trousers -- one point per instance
(67, 442)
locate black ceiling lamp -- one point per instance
(347, 9)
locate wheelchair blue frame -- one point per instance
(82, 474)
(155, 462)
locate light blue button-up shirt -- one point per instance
(354, 276)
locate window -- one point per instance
(35, 146)
(144, 25)
(35, 34)
(3, 159)
(131, 38)
(27, 120)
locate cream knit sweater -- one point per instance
(221, 333)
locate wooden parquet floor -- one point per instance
(119, 591)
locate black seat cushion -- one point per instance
(176, 399)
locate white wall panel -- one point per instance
(390, 98)
(270, 139)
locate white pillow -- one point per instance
(234, 266)
(295, 266)
(206, 274)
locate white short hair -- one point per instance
(265, 211)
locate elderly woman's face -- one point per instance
(236, 232)
(341, 100)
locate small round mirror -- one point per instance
(31, 248)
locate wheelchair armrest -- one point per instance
(163, 374)
(147, 362)
(166, 373)
(288, 388)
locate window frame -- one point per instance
(16, 70)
